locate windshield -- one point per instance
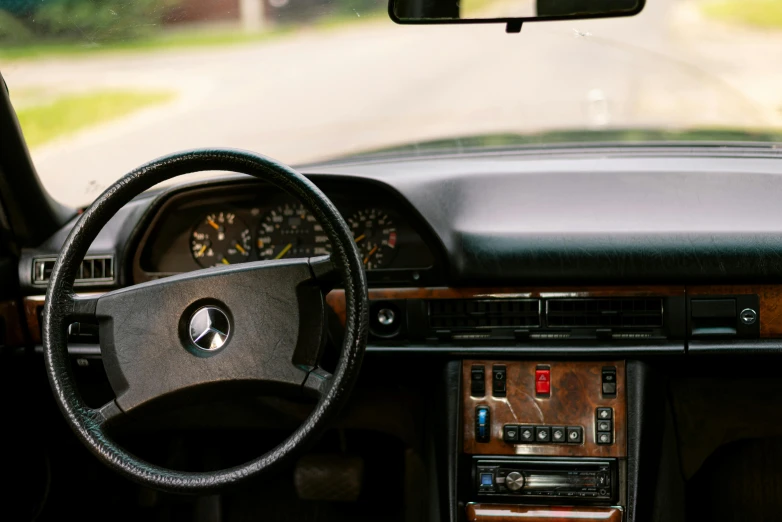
(103, 86)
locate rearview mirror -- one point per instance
(512, 12)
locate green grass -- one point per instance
(67, 114)
(759, 13)
(173, 40)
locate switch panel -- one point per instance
(604, 426)
(513, 434)
(574, 416)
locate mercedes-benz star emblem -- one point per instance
(209, 328)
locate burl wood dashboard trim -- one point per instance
(336, 298)
(31, 306)
(512, 513)
(576, 393)
(770, 297)
(13, 331)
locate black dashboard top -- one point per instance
(602, 216)
(588, 217)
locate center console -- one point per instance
(544, 440)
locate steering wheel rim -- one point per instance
(62, 307)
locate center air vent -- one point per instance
(605, 313)
(467, 314)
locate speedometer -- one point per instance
(375, 236)
(291, 231)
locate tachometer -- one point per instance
(375, 236)
(291, 231)
(220, 238)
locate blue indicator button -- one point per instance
(487, 479)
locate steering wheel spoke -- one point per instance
(107, 414)
(318, 383)
(81, 308)
(325, 272)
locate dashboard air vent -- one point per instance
(467, 314)
(605, 313)
(94, 271)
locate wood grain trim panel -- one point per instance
(576, 392)
(513, 513)
(14, 332)
(31, 306)
(770, 297)
(336, 298)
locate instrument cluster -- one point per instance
(225, 225)
(287, 231)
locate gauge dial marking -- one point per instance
(284, 251)
(220, 238)
(290, 231)
(376, 237)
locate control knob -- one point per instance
(514, 481)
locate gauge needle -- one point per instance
(225, 261)
(359, 238)
(241, 249)
(213, 224)
(284, 251)
(203, 249)
(371, 252)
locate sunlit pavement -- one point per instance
(324, 93)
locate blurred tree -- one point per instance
(99, 20)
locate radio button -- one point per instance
(575, 434)
(526, 434)
(558, 434)
(542, 434)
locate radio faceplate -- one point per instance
(516, 479)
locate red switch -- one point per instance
(543, 382)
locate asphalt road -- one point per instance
(324, 93)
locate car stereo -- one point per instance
(519, 479)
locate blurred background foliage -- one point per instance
(109, 21)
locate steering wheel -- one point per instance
(259, 323)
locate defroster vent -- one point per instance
(605, 313)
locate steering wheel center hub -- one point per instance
(209, 328)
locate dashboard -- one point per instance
(543, 279)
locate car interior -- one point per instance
(501, 331)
